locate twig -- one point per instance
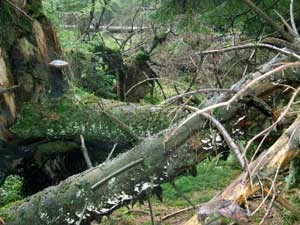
(179, 110)
(195, 75)
(82, 214)
(268, 19)
(269, 191)
(20, 10)
(250, 57)
(268, 210)
(101, 15)
(246, 46)
(292, 18)
(85, 152)
(278, 69)
(206, 90)
(228, 139)
(177, 212)
(111, 152)
(5, 90)
(91, 17)
(270, 128)
(284, 22)
(237, 96)
(149, 79)
(151, 211)
(117, 172)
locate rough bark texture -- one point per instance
(161, 161)
(49, 138)
(24, 57)
(162, 157)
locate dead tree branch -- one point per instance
(293, 18)
(247, 46)
(228, 203)
(268, 19)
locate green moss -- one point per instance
(71, 117)
(141, 55)
(10, 191)
(4, 211)
(11, 21)
(294, 177)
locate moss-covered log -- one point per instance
(157, 160)
(48, 137)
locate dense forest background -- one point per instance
(149, 112)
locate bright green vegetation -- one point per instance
(211, 178)
(11, 191)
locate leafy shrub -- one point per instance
(11, 190)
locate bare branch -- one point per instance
(282, 115)
(284, 21)
(5, 90)
(236, 97)
(268, 19)
(150, 79)
(292, 18)
(246, 46)
(20, 10)
(228, 139)
(85, 153)
(263, 77)
(151, 211)
(199, 91)
(177, 212)
(82, 214)
(111, 152)
(117, 172)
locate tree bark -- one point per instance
(126, 178)
(28, 42)
(156, 161)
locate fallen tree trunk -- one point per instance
(152, 162)
(49, 138)
(118, 182)
(166, 152)
(113, 29)
(265, 167)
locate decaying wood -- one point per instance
(267, 165)
(161, 162)
(163, 155)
